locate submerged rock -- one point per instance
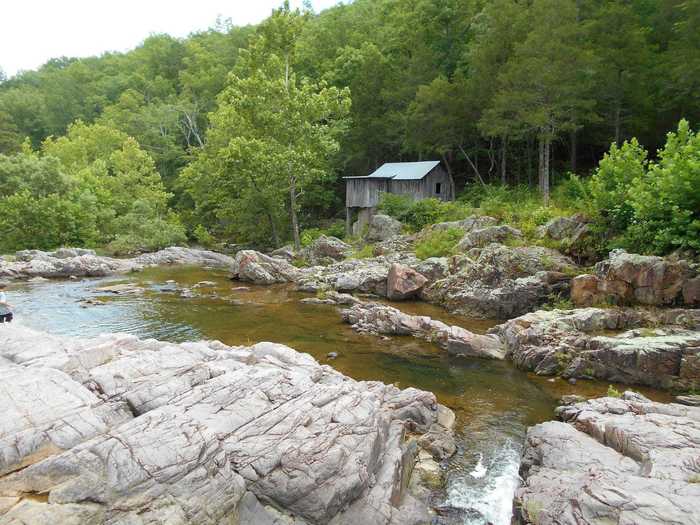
(659, 348)
(122, 430)
(378, 318)
(612, 460)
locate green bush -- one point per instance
(439, 243)
(650, 206)
(666, 199)
(309, 235)
(613, 392)
(612, 182)
(419, 214)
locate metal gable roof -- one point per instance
(402, 170)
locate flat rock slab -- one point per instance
(117, 429)
(613, 460)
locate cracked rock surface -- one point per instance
(117, 429)
(659, 348)
(613, 460)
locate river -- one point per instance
(494, 403)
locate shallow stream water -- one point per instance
(494, 403)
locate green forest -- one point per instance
(242, 135)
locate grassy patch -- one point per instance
(439, 243)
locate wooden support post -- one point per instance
(348, 221)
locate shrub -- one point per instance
(439, 243)
(666, 199)
(309, 235)
(203, 236)
(613, 392)
(419, 214)
(611, 184)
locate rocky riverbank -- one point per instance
(117, 429)
(612, 460)
(78, 262)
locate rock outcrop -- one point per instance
(403, 282)
(122, 430)
(628, 278)
(659, 348)
(76, 262)
(326, 250)
(501, 282)
(478, 238)
(375, 318)
(383, 228)
(258, 268)
(612, 460)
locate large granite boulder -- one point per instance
(501, 282)
(613, 460)
(655, 348)
(259, 268)
(382, 228)
(121, 430)
(403, 282)
(467, 225)
(478, 238)
(351, 275)
(628, 278)
(326, 250)
(181, 256)
(375, 318)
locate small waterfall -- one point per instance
(486, 491)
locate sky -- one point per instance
(33, 31)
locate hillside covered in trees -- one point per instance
(242, 134)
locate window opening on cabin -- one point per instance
(438, 188)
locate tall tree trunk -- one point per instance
(451, 194)
(293, 212)
(545, 178)
(474, 165)
(618, 125)
(273, 227)
(540, 165)
(504, 151)
(529, 162)
(573, 151)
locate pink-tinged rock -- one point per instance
(403, 282)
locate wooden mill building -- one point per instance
(418, 180)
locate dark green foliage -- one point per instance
(478, 85)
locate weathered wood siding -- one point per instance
(365, 192)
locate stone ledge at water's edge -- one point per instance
(117, 429)
(612, 460)
(78, 262)
(652, 347)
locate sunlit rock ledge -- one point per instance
(117, 429)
